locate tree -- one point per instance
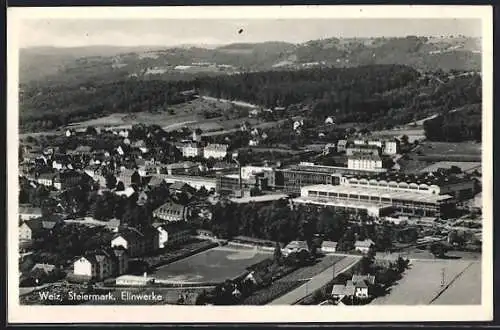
(277, 253)
(120, 186)
(437, 249)
(404, 139)
(110, 181)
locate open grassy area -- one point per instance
(449, 151)
(215, 265)
(421, 284)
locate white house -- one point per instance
(217, 151)
(295, 246)
(97, 266)
(363, 246)
(191, 150)
(364, 162)
(391, 147)
(328, 247)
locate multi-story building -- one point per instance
(171, 234)
(435, 183)
(377, 201)
(170, 212)
(296, 177)
(192, 150)
(230, 184)
(367, 162)
(388, 147)
(363, 148)
(216, 151)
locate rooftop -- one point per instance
(435, 178)
(259, 199)
(382, 192)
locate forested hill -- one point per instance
(421, 53)
(381, 95)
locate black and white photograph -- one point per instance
(198, 164)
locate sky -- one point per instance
(172, 32)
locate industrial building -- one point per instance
(379, 201)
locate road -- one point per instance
(316, 282)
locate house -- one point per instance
(155, 181)
(338, 291)
(342, 145)
(46, 268)
(28, 213)
(360, 161)
(363, 246)
(216, 151)
(30, 229)
(181, 187)
(127, 192)
(132, 240)
(46, 179)
(170, 212)
(94, 265)
(328, 247)
(295, 246)
(191, 150)
(171, 235)
(182, 168)
(66, 179)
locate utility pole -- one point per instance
(442, 277)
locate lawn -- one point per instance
(212, 266)
(421, 284)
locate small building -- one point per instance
(338, 291)
(28, 212)
(216, 151)
(181, 187)
(170, 212)
(363, 246)
(295, 246)
(328, 247)
(46, 179)
(132, 280)
(30, 229)
(341, 145)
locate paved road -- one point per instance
(316, 282)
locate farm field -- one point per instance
(187, 114)
(450, 151)
(421, 284)
(214, 265)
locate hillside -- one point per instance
(380, 96)
(422, 53)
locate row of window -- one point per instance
(313, 193)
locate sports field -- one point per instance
(421, 284)
(214, 265)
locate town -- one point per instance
(230, 219)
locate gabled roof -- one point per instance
(363, 278)
(329, 244)
(34, 225)
(338, 289)
(366, 243)
(129, 234)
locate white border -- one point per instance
(207, 314)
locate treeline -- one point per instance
(49, 107)
(277, 222)
(344, 88)
(457, 126)
(378, 96)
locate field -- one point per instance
(421, 284)
(449, 151)
(212, 266)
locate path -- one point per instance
(316, 282)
